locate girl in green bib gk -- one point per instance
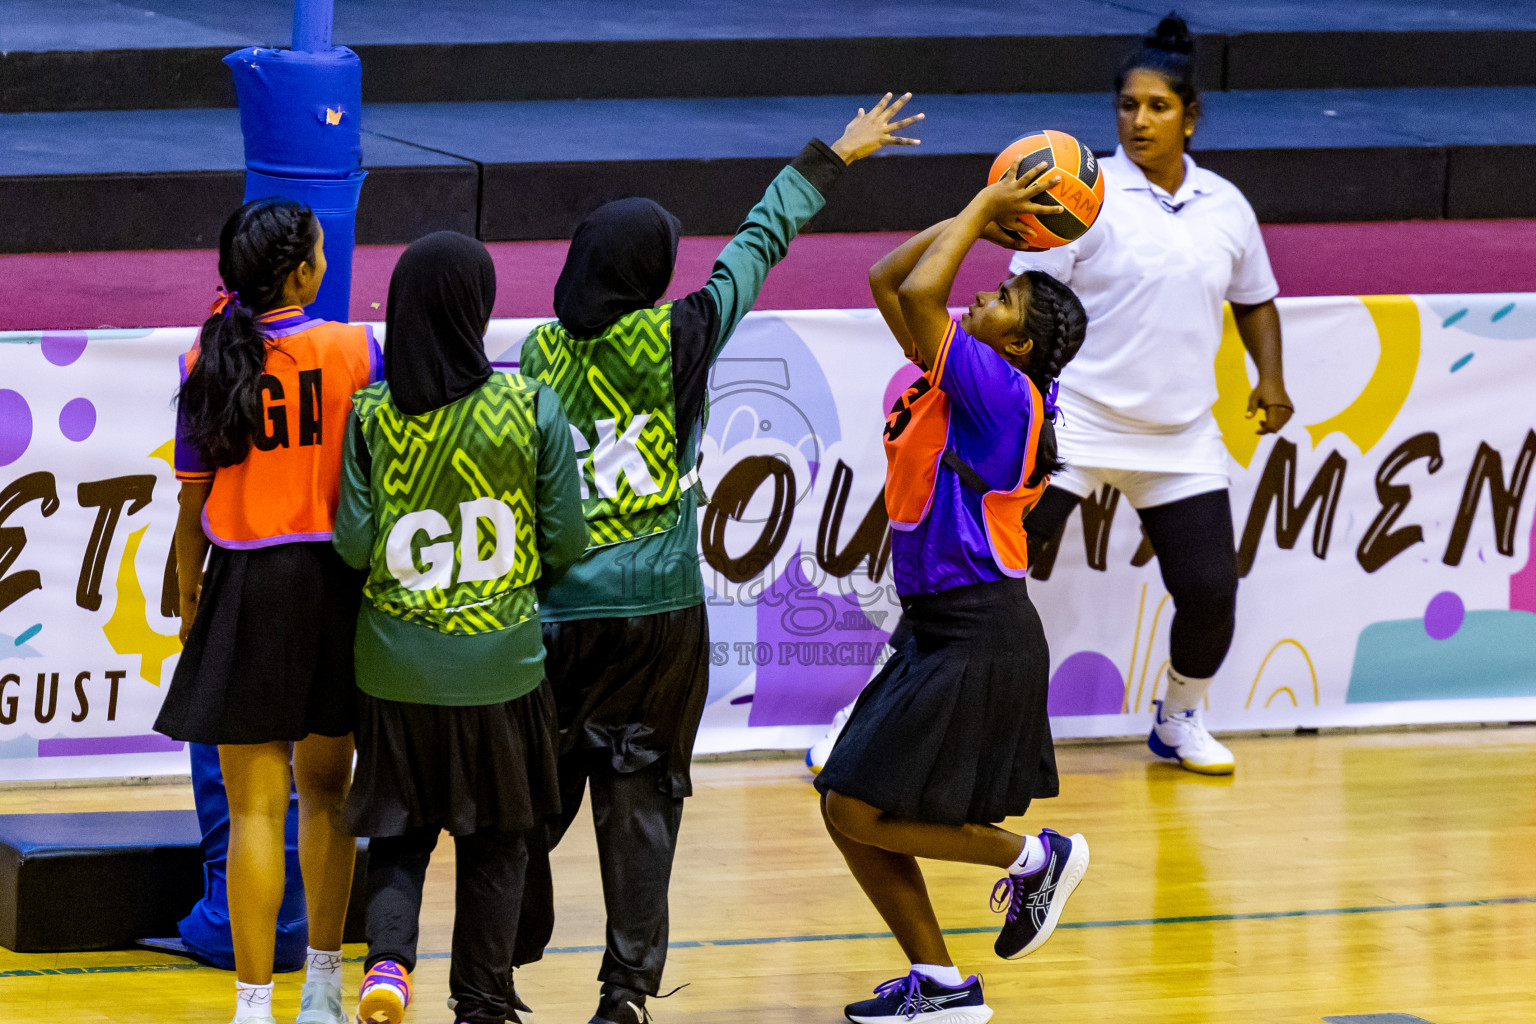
(626, 632)
(460, 497)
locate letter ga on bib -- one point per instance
(456, 547)
(617, 393)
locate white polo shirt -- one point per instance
(1152, 274)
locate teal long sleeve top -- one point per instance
(661, 573)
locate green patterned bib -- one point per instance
(617, 392)
(453, 507)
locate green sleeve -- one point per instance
(794, 197)
(353, 534)
(562, 527)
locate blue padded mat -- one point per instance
(32, 834)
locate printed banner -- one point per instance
(1385, 535)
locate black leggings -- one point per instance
(636, 820)
(1192, 538)
(490, 868)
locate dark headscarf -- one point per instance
(440, 299)
(621, 259)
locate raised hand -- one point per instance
(1012, 196)
(869, 131)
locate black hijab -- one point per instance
(440, 299)
(621, 259)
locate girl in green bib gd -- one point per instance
(460, 497)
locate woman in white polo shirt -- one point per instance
(1172, 242)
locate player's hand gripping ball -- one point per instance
(1080, 193)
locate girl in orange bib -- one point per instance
(266, 671)
(952, 736)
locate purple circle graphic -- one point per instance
(77, 419)
(1087, 683)
(1444, 615)
(15, 426)
(63, 347)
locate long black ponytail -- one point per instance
(1056, 323)
(261, 244)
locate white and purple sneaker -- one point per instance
(918, 999)
(1034, 902)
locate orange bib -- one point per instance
(288, 486)
(916, 439)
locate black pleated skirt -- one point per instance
(463, 769)
(269, 657)
(954, 728)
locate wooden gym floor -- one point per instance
(1334, 876)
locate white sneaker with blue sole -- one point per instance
(1182, 736)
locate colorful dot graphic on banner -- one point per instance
(1511, 321)
(1444, 616)
(77, 419)
(1087, 683)
(15, 426)
(63, 347)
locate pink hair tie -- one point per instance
(223, 302)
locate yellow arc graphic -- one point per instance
(1232, 390)
(1365, 420)
(1311, 670)
(128, 629)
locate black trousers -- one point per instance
(486, 903)
(636, 821)
(1192, 538)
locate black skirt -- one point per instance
(633, 688)
(488, 767)
(269, 657)
(954, 728)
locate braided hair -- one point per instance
(261, 244)
(1170, 52)
(1056, 322)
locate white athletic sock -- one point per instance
(1031, 858)
(1184, 693)
(322, 965)
(252, 1001)
(949, 976)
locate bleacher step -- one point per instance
(513, 171)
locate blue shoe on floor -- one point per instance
(918, 999)
(1034, 902)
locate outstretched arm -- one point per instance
(794, 197)
(924, 295)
